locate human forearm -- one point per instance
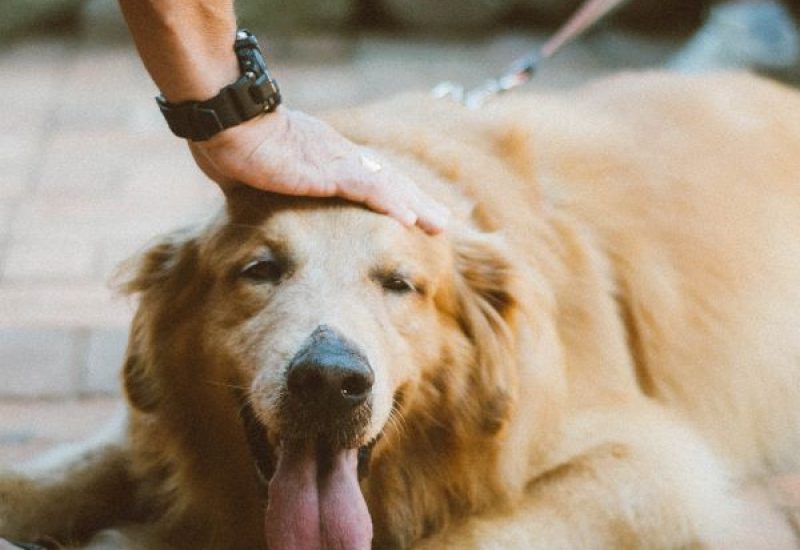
(186, 45)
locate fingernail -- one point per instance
(438, 218)
(406, 217)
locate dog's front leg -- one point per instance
(70, 493)
(652, 486)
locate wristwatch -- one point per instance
(254, 92)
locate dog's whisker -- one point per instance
(225, 385)
(397, 422)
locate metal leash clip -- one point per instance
(523, 69)
(520, 72)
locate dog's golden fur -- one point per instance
(603, 346)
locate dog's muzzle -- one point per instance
(328, 388)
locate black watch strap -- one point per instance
(254, 92)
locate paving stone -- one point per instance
(134, 114)
(37, 363)
(30, 427)
(97, 217)
(14, 179)
(33, 73)
(91, 162)
(63, 304)
(170, 175)
(104, 361)
(57, 257)
(17, 118)
(113, 254)
(7, 208)
(16, 145)
(114, 68)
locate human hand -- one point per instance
(292, 153)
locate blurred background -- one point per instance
(89, 172)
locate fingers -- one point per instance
(432, 217)
(382, 189)
(403, 200)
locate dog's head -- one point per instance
(340, 326)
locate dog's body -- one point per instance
(594, 356)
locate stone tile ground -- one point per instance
(89, 174)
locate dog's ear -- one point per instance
(173, 255)
(166, 276)
(141, 387)
(485, 288)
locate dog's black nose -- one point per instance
(329, 372)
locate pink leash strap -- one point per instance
(523, 69)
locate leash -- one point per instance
(523, 69)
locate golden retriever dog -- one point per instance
(602, 348)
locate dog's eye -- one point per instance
(263, 270)
(398, 284)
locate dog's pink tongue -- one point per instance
(343, 514)
(292, 518)
(310, 509)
